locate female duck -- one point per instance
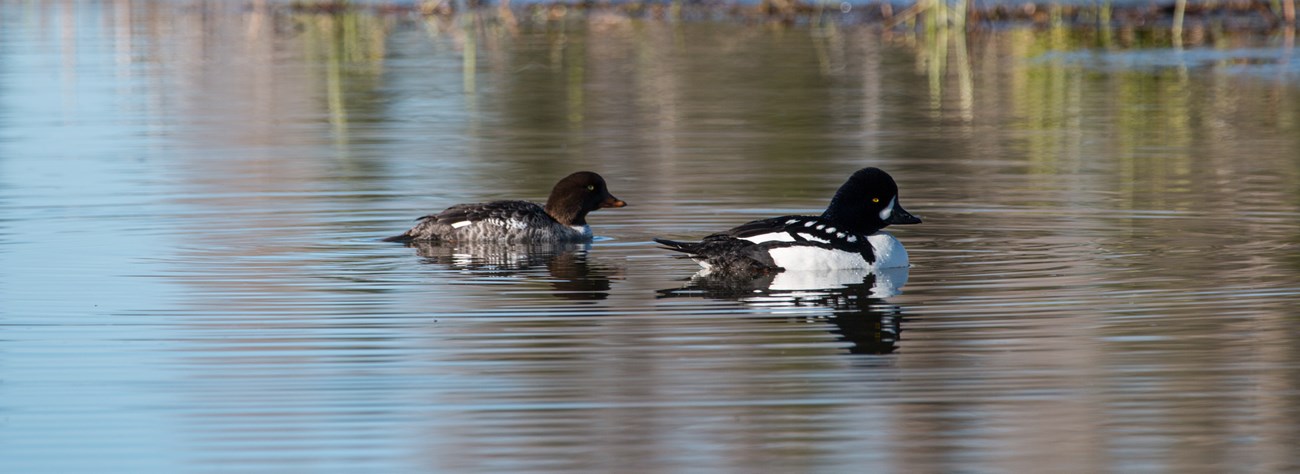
(562, 219)
(847, 236)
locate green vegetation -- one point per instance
(1179, 23)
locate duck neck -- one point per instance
(849, 219)
(570, 214)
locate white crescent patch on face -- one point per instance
(889, 209)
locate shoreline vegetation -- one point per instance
(1174, 24)
(1182, 22)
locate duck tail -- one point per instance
(403, 238)
(415, 233)
(676, 246)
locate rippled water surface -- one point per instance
(191, 277)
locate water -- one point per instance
(191, 197)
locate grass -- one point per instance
(1263, 16)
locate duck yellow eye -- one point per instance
(875, 199)
(591, 187)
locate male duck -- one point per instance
(562, 219)
(846, 236)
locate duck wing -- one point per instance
(464, 214)
(440, 226)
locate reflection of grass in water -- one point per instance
(1161, 124)
(346, 42)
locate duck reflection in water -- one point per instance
(854, 300)
(566, 267)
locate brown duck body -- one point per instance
(496, 221)
(562, 219)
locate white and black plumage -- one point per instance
(562, 219)
(846, 236)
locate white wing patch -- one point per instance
(457, 225)
(814, 238)
(771, 237)
(889, 253)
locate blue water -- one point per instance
(191, 197)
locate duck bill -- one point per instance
(611, 201)
(900, 216)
